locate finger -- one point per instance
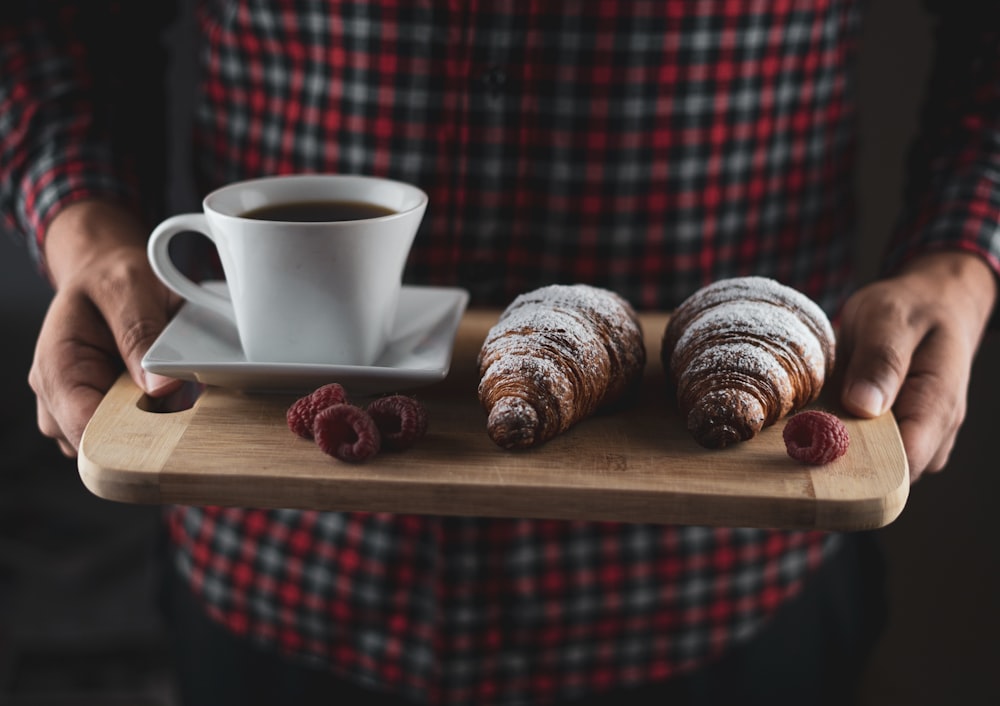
(63, 411)
(931, 405)
(49, 427)
(74, 363)
(924, 453)
(67, 449)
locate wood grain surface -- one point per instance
(636, 465)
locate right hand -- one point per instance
(107, 310)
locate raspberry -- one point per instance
(815, 437)
(401, 420)
(302, 413)
(346, 432)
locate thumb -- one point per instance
(137, 314)
(876, 350)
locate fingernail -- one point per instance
(866, 397)
(154, 382)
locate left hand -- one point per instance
(907, 343)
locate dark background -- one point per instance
(78, 623)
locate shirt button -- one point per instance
(493, 79)
(481, 273)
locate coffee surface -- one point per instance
(318, 211)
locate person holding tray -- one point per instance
(649, 148)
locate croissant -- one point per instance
(743, 353)
(555, 356)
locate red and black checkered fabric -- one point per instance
(649, 147)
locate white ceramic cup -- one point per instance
(302, 292)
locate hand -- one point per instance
(107, 310)
(908, 342)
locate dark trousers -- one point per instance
(814, 652)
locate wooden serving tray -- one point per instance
(638, 465)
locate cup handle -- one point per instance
(159, 259)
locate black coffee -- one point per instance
(317, 211)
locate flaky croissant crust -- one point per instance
(743, 353)
(555, 356)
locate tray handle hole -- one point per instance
(181, 399)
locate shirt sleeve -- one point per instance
(952, 198)
(81, 108)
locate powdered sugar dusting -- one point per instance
(740, 337)
(537, 328)
(564, 349)
(560, 318)
(737, 356)
(774, 324)
(759, 289)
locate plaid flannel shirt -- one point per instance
(649, 147)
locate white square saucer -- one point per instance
(202, 346)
